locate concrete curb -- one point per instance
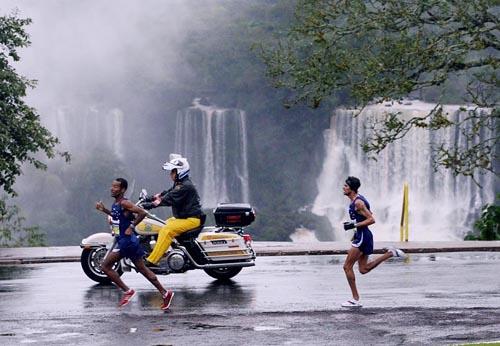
(37, 260)
(12, 256)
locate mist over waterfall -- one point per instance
(441, 206)
(215, 142)
(84, 130)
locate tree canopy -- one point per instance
(12, 231)
(21, 133)
(364, 51)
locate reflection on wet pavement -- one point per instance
(15, 272)
(435, 297)
(221, 295)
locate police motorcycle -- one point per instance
(222, 251)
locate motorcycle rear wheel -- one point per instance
(223, 273)
(91, 261)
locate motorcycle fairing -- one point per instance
(148, 227)
(97, 239)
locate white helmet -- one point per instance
(179, 163)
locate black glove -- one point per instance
(148, 206)
(153, 197)
(349, 225)
(149, 199)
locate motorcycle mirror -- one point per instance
(143, 193)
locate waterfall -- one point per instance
(82, 130)
(441, 205)
(214, 140)
(116, 116)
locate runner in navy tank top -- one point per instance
(127, 245)
(362, 240)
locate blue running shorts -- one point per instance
(129, 247)
(363, 240)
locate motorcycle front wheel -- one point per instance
(223, 273)
(91, 261)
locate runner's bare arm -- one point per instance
(100, 206)
(141, 214)
(363, 210)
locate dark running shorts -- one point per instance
(363, 240)
(129, 247)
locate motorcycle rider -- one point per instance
(122, 214)
(185, 203)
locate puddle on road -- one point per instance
(67, 335)
(266, 328)
(42, 336)
(15, 272)
(28, 341)
(67, 325)
(205, 326)
(6, 288)
(34, 331)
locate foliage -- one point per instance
(225, 68)
(279, 224)
(88, 181)
(62, 199)
(12, 232)
(374, 51)
(21, 134)
(488, 225)
(220, 56)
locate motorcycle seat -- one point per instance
(191, 234)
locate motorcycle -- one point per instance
(222, 251)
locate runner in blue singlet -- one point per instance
(362, 241)
(122, 214)
(363, 238)
(127, 244)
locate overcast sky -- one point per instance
(84, 44)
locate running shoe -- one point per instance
(351, 303)
(127, 296)
(396, 253)
(167, 299)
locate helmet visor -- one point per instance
(169, 167)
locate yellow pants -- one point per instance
(172, 229)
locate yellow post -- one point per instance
(407, 204)
(403, 228)
(401, 225)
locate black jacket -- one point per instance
(183, 198)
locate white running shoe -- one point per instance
(396, 253)
(351, 303)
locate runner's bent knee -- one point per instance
(363, 270)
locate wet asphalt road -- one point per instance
(448, 298)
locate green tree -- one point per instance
(12, 232)
(488, 225)
(87, 181)
(374, 51)
(21, 134)
(225, 67)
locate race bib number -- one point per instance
(115, 227)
